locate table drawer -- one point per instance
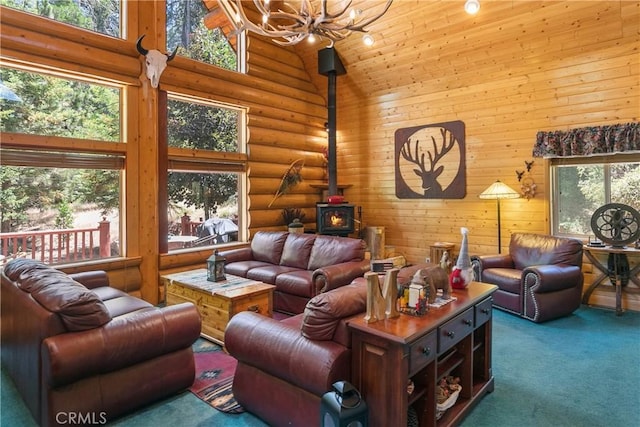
(422, 352)
(483, 311)
(450, 333)
(259, 303)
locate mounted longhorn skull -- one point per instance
(155, 61)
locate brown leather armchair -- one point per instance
(539, 279)
(284, 367)
(76, 347)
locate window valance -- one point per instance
(588, 141)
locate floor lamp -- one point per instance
(497, 191)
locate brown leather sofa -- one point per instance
(285, 367)
(539, 279)
(79, 350)
(299, 265)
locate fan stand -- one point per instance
(618, 267)
(617, 225)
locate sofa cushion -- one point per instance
(126, 304)
(78, 307)
(16, 267)
(324, 311)
(537, 249)
(331, 250)
(297, 249)
(267, 274)
(507, 279)
(298, 282)
(241, 268)
(267, 246)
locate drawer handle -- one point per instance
(450, 334)
(467, 322)
(426, 351)
(253, 308)
(485, 311)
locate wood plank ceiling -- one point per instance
(420, 40)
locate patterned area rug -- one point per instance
(214, 377)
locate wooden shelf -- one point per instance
(326, 186)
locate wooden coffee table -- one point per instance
(218, 302)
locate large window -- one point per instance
(62, 169)
(101, 16)
(43, 104)
(206, 173)
(582, 185)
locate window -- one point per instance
(204, 35)
(206, 173)
(49, 105)
(582, 185)
(101, 16)
(62, 173)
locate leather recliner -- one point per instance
(284, 367)
(80, 351)
(539, 279)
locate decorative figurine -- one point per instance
(381, 303)
(445, 262)
(435, 277)
(462, 273)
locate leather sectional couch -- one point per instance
(300, 266)
(78, 349)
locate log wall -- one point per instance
(286, 117)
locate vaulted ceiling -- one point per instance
(430, 40)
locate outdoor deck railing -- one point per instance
(54, 246)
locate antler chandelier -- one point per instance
(289, 25)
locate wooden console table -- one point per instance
(619, 270)
(451, 340)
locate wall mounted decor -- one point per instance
(289, 180)
(527, 185)
(430, 161)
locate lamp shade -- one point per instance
(499, 190)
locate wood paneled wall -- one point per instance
(514, 69)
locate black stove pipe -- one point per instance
(329, 64)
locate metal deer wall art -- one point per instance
(430, 161)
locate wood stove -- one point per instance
(335, 219)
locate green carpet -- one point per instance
(581, 370)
